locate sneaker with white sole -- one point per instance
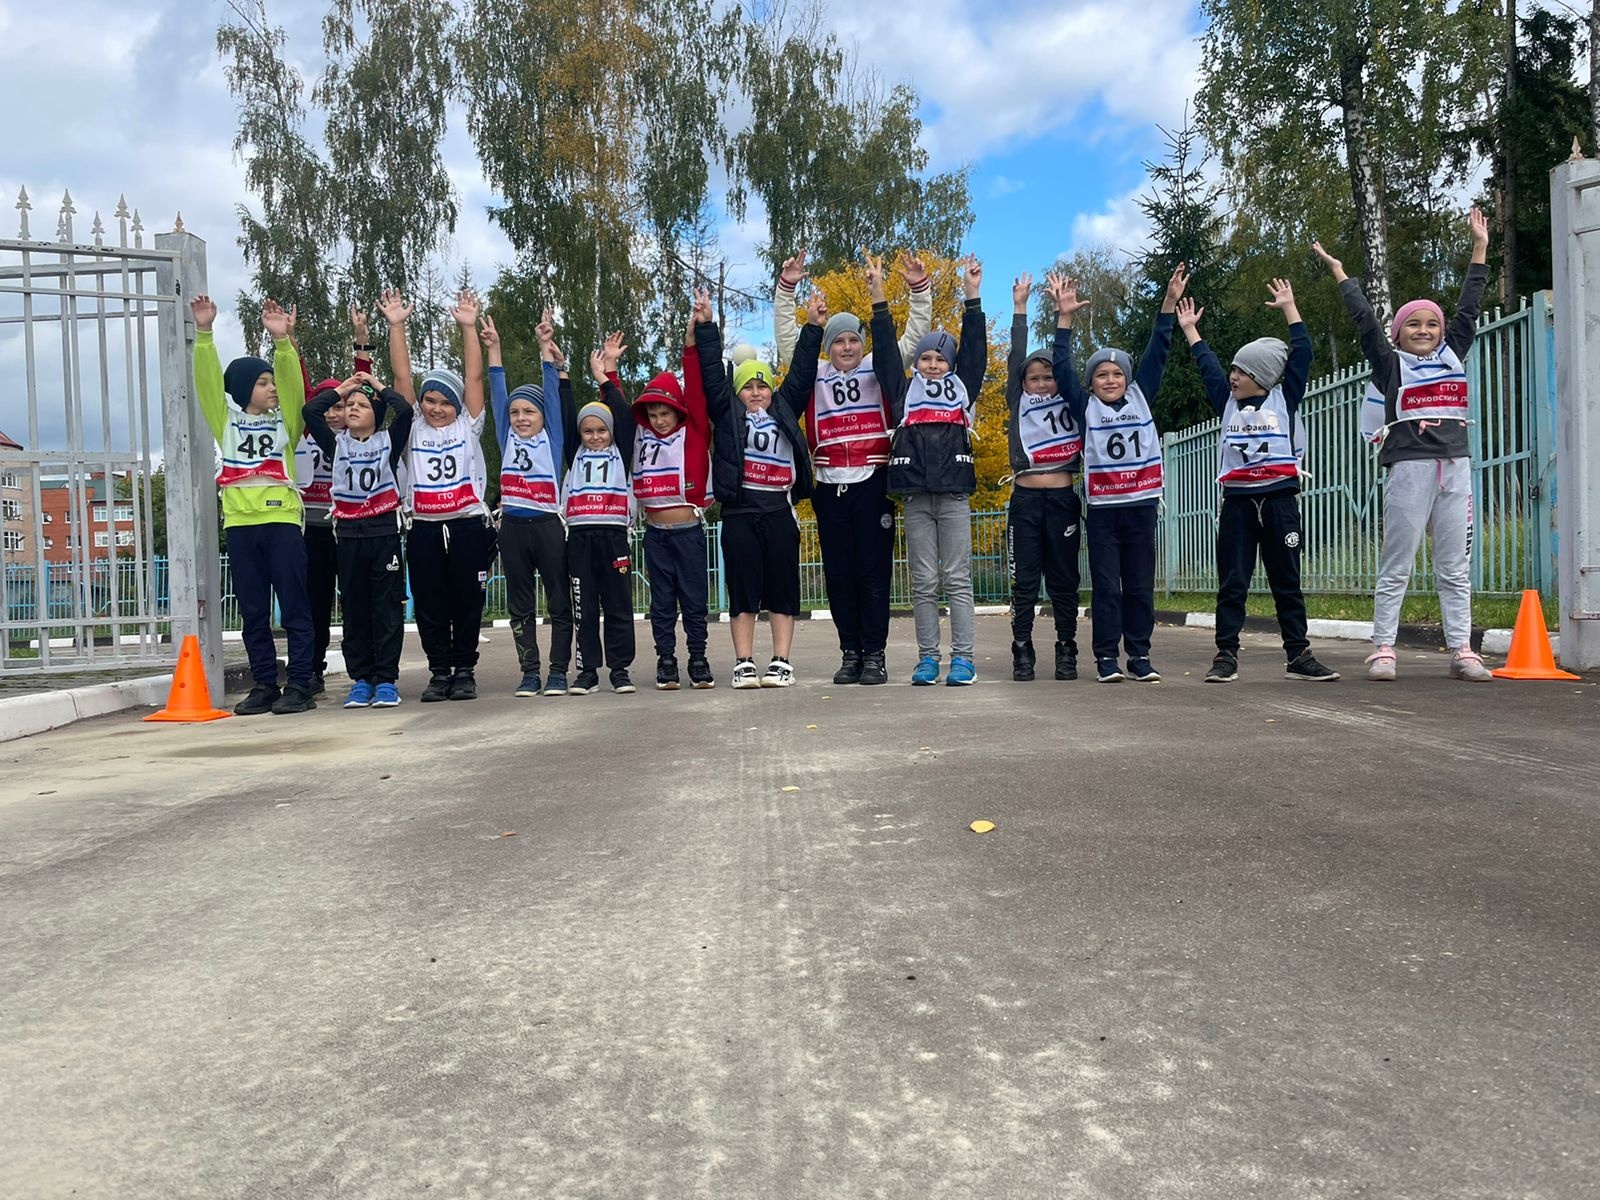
(1467, 664)
(1140, 671)
(1105, 670)
(1224, 668)
(584, 683)
(744, 675)
(1381, 665)
(1307, 669)
(779, 674)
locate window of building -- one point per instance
(102, 538)
(124, 537)
(13, 540)
(124, 512)
(48, 518)
(49, 543)
(12, 509)
(9, 480)
(100, 514)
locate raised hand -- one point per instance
(597, 365)
(294, 316)
(794, 269)
(1021, 289)
(704, 314)
(393, 306)
(912, 269)
(489, 334)
(1479, 224)
(204, 309)
(466, 310)
(972, 276)
(1329, 261)
(274, 320)
(1176, 287)
(1282, 293)
(613, 350)
(358, 322)
(872, 270)
(817, 308)
(1189, 314)
(545, 330)
(1064, 294)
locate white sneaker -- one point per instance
(1381, 664)
(744, 676)
(779, 674)
(1468, 665)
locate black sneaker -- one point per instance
(586, 682)
(258, 702)
(438, 688)
(621, 684)
(464, 685)
(1022, 660)
(1066, 660)
(700, 672)
(1307, 667)
(1224, 668)
(1140, 671)
(849, 669)
(318, 684)
(1106, 671)
(296, 698)
(666, 673)
(874, 670)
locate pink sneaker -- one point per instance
(1381, 665)
(1468, 665)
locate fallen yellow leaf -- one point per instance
(791, 788)
(981, 826)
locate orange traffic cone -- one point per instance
(1531, 656)
(190, 698)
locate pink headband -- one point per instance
(1407, 309)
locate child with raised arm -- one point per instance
(598, 504)
(1416, 410)
(1044, 521)
(1122, 477)
(760, 470)
(847, 429)
(451, 540)
(671, 470)
(931, 466)
(253, 410)
(367, 519)
(1260, 458)
(530, 422)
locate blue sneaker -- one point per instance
(962, 672)
(529, 685)
(1105, 670)
(557, 684)
(388, 696)
(1140, 671)
(360, 695)
(927, 672)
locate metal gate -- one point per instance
(90, 334)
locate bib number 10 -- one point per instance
(1117, 445)
(363, 480)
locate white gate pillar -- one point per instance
(194, 565)
(1575, 234)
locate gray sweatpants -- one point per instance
(1427, 496)
(939, 547)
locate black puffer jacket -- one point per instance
(930, 458)
(727, 412)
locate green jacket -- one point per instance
(277, 504)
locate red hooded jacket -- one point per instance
(659, 481)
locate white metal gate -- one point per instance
(90, 333)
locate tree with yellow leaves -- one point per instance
(846, 291)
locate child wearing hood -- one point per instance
(534, 424)
(671, 470)
(1260, 458)
(1416, 410)
(451, 540)
(597, 503)
(1122, 477)
(1044, 525)
(931, 466)
(847, 429)
(253, 410)
(760, 470)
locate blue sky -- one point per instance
(1053, 103)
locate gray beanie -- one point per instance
(531, 392)
(447, 383)
(1118, 357)
(1046, 357)
(843, 322)
(1263, 360)
(938, 341)
(596, 408)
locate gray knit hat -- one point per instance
(447, 383)
(842, 322)
(1118, 357)
(938, 341)
(1263, 360)
(531, 392)
(596, 409)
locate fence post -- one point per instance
(1169, 519)
(1542, 458)
(194, 558)
(1575, 241)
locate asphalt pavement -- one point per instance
(1269, 939)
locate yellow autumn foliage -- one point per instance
(846, 291)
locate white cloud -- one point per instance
(1120, 225)
(1004, 185)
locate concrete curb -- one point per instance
(1427, 637)
(21, 716)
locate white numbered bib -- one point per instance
(937, 401)
(364, 484)
(1261, 446)
(1121, 452)
(658, 478)
(528, 474)
(1049, 435)
(313, 472)
(768, 456)
(848, 407)
(445, 469)
(252, 450)
(597, 489)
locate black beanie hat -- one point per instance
(239, 380)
